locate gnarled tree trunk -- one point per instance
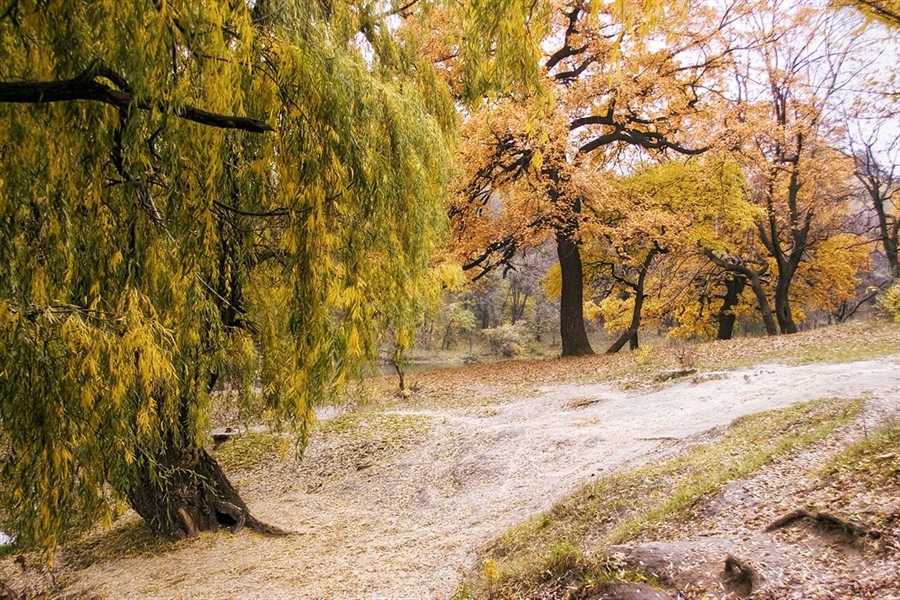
(754, 278)
(734, 286)
(783, 305)
(181, 493)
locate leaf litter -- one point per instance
(413, 496)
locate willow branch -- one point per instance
(87, 87)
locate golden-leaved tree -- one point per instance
(797, 63)
(646, 246)
(196, 194)
(617, 79)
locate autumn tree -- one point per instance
(876, 169)
(666, 252)
(673, 211)
(611, 85)
(196, 194)
(800, 58)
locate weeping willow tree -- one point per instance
(196, 193)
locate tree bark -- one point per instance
(181, 493)
(783, 305)
(734, 286)
(571, 309)
(631, 334)
(181, 490)
(732, 265)
(762, 302)
(889, 231)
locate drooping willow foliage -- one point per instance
(194, 192)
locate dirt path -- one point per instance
(404, 521)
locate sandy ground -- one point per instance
(406, 521)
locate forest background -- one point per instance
(723, 170)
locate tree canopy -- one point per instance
(759, 81)
(192, 193)
(620, 82)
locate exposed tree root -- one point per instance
(674, 374)
(740, 577)
(266, 528)
(828, 523)
(196, 497)
(190, 528)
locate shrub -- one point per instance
(509, 339)
(890, 302)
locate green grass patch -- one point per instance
(252, 449)
(873, 461)
(634, 504)
(8, 550)
(389, 428)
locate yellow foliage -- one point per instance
(616, 312)
(144, 255)
(642, 356)
(449, 275)
(551, 282)
(592, 311)
(833, 274)
(890, 302)
(693, 323)
(491, 571)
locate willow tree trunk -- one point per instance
(181, 493)
(181, 490)
(571, 306)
